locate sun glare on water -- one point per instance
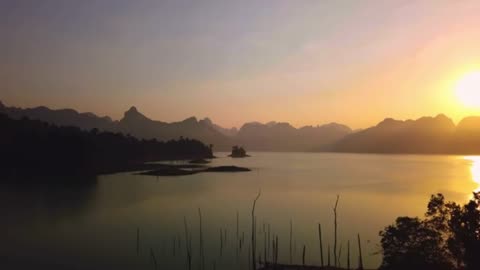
(475, 169)
(468, 89)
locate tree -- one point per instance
(465, 227)
(448, 238)
(411, 244)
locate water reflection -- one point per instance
(95, 227)
(475, 169)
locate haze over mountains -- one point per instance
(254, 136)
(426, 135)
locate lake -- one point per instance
(95, 226)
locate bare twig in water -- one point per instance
(264, 243)
(348, 255)
(335, 232)
(339, 255)
(291, 235)
(153, 258)
(303, 256)
(254, 231)
(276, 250)
(188, 243)
(360, 259)
(268, 242)
(321, 244)
(328, 256)
(225, 236)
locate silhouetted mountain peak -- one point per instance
(2, 107)
(132, 109)
(440, 121)
(208, 121)
(336, 125)
(271, 124)
(388, 122)
(190, 120)
(469, 124)
(225, 131)
(134, 115)
(442, 116)
(41, 108)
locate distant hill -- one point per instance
(225, 131)
(63, 117)
(426, 135)
(140, 126)
(275, 136)
(272, 136)
(133, 123)
(467, 136)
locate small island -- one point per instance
(199, 161)
(178, 170)
(238, 152)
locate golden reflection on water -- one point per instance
(475, 169)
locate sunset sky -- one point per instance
(304, 62)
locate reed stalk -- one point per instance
(348, 255)
(154, 259)
(264, 243)
(276, 250)
(339, 256)
(360, 259)
(254, 231)
(335, 231)
(321, 244)
(268, 241)
(303, 256)
(328, 256)
(291, 235)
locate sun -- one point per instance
(468, 89)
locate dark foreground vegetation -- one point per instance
(34, 148)
(447, 238)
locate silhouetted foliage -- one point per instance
(448, 238)
(238, 152)
(34, 147)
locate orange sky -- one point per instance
(303, 62)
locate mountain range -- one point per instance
(272, 136)
(426, 135)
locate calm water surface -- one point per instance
(95, 227)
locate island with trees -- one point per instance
(238, 152)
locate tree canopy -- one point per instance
(447, 238)
(35, 147)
